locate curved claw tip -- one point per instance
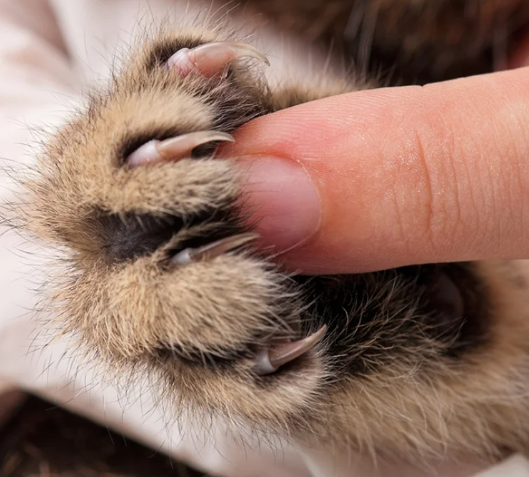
(270, 360)
(212, 250)
(211, 58)
(181, 146)
(175, 148)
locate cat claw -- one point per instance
(270, 360)
(173, 149)
(211, 58)
(212, 250)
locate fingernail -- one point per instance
(283, 201)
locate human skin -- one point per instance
(394, 176)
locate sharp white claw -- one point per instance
(212, 250)
(211, 58)
(270, 360)
(173, 149)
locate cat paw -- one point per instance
(162, 272)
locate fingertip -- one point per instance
(404, 175)
(282, 201)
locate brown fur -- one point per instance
(407, 40)
(395, 374)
